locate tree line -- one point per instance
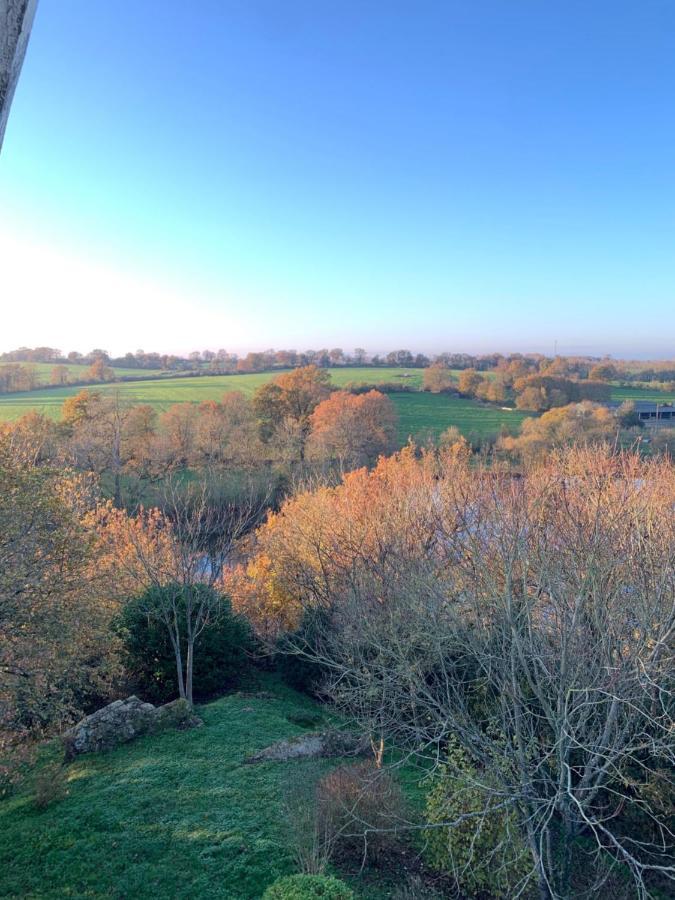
(224, 362)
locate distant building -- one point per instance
(650, 412)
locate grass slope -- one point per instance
(175, 815)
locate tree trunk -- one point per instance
(179, 665)
(188, 670)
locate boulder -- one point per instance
(313, 745)
(124, 720)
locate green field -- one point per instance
(162, 392)
(77, 372)
(419, 413)
(630, 393)
(174, 815)
(422, 413)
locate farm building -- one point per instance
(651, 413)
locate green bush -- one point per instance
(50, 785)
(300, 672)
(485, 853)
(221, 651)
(308, 887)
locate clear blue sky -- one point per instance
(291, 173)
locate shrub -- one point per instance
(414, 888)
(311, 847)
(221, 656)
(308, 887)
(50, 785)
(301, 673)
(358, 805)
(484, 853)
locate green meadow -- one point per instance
(162, 392)
(420, 414)
(78, 372)
(636, 393)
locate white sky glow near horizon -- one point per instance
(55, 297)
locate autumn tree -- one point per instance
(99, 371)
(604, 371)
(353, 429)
(139, 439)
(452, 441)
(227, 433)
(577, 423)
(492, 390)
(304, 540)
(54, 645)
(177, 429)
(59, 375)
(291, 396)
(96, 423)
(438, 378)
(400, 358)
(33, 438)
(542, 392)
(469, 382)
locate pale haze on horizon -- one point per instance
(454, 176)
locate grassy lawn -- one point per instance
(174, 815)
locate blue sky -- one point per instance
(288, 173)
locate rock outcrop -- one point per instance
(124, 720)
(313, 745)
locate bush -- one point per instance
(221, 652)
(50, 786)
(301, 673)
(414, 888)
(308, 887)
(358, 805)
(484, 853)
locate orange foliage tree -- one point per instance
(580, 423)
(291, 396)
(353, 428)
(54, 646)
(356, 536)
